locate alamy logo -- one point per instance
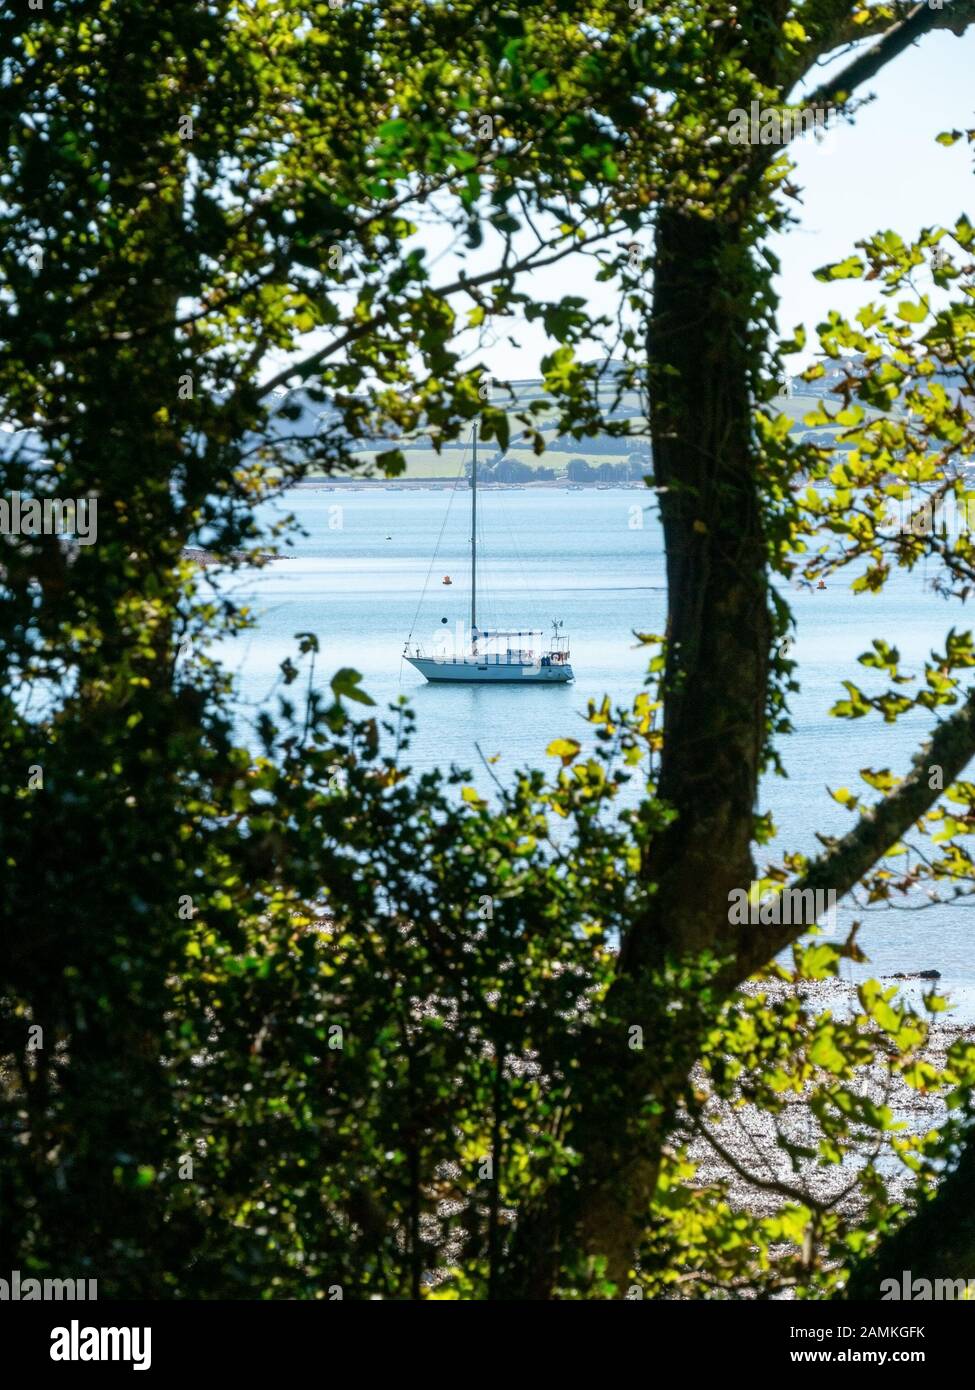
(76, 1343)
(928, 1290)
(940, 516)
(767, 125)
(791, 907)
(16, 1289)
(50, 516)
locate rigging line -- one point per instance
(436, 551)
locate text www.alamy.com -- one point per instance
(845, 1355)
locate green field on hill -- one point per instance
(427, 463)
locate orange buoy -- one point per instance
(447, 579)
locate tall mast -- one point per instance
(474, 543)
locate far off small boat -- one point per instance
(515, 657)
(447, 579)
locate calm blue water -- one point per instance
(357, 579)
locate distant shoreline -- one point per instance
(426, 484)
(206, 559)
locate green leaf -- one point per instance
(849, 269)
(345, 683)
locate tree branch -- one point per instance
(847, 860)
(921, 19)
(465, 283)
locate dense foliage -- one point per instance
(278, 1017)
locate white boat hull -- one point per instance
(492, 670)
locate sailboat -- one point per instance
(516, 657)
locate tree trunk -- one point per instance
(718, 629)
(715, 683)
(719, 633)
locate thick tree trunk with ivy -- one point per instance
(718, 626)
(718, 640)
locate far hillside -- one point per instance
(599, 459)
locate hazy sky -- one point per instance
(883, 171)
